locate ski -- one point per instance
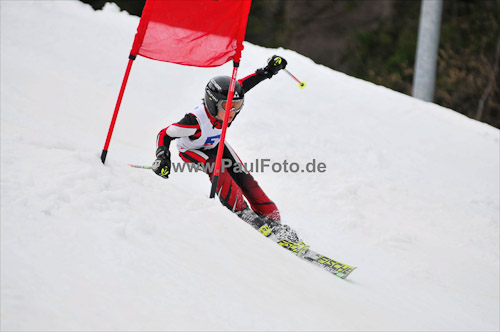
(304, 252)
(337, 268)
(295, 245)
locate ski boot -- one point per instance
(282, 234)
(286, 237)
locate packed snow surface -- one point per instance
(409, 195)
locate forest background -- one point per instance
(375, 40)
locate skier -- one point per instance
(198, 136)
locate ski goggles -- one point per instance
(236, 105)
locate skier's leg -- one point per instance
(228, 191)
(257, 198)
(234, 184)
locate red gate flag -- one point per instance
(202, 33)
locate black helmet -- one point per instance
(216, 93)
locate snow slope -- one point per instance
(410, 195)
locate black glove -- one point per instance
(274, 65)
(161, 165)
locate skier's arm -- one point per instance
(188, 126)
(274, 65)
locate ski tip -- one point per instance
(344, 275)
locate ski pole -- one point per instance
(301, 84)
(140, 166)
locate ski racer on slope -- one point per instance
(198, 135)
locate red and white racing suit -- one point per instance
(198, 135)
